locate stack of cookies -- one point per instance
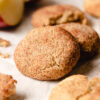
(61, 36)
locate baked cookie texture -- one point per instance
(86, 36)
(7, 86)
(57, 14)
(47, 53)
(92, 7)
(77, 87)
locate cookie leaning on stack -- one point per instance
(47, 53)
(77, 87)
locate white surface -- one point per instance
(30, 89)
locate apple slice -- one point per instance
(11, 12)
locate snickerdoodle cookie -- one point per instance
(77, 87)
(57, 14)
(47, 53)
(92, 7)
(86, 36)
(7, 86)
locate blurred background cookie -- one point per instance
(47, 53)
(7, 86)
(86, 36)
(92, 7)
(77, 87)
(57, 14)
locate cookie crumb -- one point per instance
(4, 43)
(4, 55)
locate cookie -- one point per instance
(47, 53)
(86, 36)
(57, 14)
(77, 87)
(7, 86)
(92, 7)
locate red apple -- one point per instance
(3, 24)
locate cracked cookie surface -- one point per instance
(57, 14)
(47, 53)
(86, 36)
(77, 87)
(7, 86)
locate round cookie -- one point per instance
(77, 87)
(92, 7)
(57, 14)
(47, 53)
(87, 38)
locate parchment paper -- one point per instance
(30, 89)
